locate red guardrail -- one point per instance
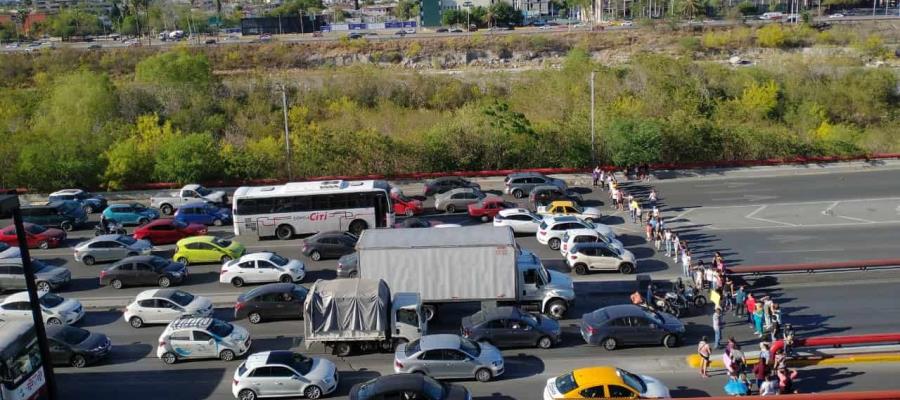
(836, 341)
(871, 395)
(812, 267)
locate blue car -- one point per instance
(130, 214)
(90, 203)
(199, 212)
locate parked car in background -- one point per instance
(511, 327)
(331, 244)
(47, 277)
(573, 237)
(143, 271)
(561, 207)
(168, 202)
(207, 249)
(37, 236)
(445, 183)
(90, 203)
(628, 324)
(449, 357)
(130, 214)
(282, 373)
(604, 382)
(76, 347)
(271, 302)
(55, 309)
(110, 248)
(348, 266)
(407, 386)
(520, 184)
(597, 256)
(7, 251)
(414, 223)
(167, 230)
(404, 205)
(66, 215)
(192, 338)
(519, 220)
(487, 208)
(161, 306)
(544, 195)
(454, 200)
(262, 267)
(201, 212)
(552, 229)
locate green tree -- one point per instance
(771, 35)
(634, 142)
(188, 158)
(176, 67)
(131, 160)
(74, 22)
(504, 13)
(294, 7)
(453, 17)
(406, 10)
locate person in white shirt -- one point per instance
(675, 244)
(667, 236)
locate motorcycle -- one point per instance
(694, 297)
(671, 303)
(109, 229)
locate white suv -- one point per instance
(202, 338)
(519, 219)
(55, 309)
(283, 373)
(551, 231)
(575, 236)
(585, 257)
(264, 267)
(161, 306)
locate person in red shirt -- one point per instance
(751, 307)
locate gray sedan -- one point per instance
(110, 248)
(457, 199)
(449, 356)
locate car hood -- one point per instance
(549, 324)
(12, 252)
(321, 369)
(489, 353)
(239, 334)
(671, 323)
(52, 272)
(294, 264)
(215, 196)
(93, 341)
(560, 281)
(198, 304)
(141, 245)
(655, 388)
(68, 305)
(174, 267)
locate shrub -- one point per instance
(771, 35)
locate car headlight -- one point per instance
(497, 363)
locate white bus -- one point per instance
(309, 207)
(21, 372)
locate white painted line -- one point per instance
(763, 207)
(680, 216)
(855, 219)
(828, 211)
(799, 251)
(744, 228)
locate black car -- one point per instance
(66, 215)
(628, 324)
(544, 195)
(332, 244)
(511, 327)
(441, 30)
(143, 270)
(76, 347)
(272, 301)
(413, 222)
(445, 183)
(407, 387)
(354, 35)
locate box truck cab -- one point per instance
(552, 290)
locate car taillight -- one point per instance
(102, 274)
(591, 330)
(238, 306)
(223, 271)
(543, 233)
(398, 364)
(466, 332)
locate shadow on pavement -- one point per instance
(825, 379)
(93, 318)
(349, 378)
(129, 353)
(684, 391)
(161, 384)
(81, 285)
(521, 366)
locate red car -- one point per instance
(37, 236)
(488, 208)
(167, 230)
(406, 206)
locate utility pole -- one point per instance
(287, 133)
(593, 149)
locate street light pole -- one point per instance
(287, 133)
(10, 203)
(593, 150)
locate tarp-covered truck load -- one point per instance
(347, 309)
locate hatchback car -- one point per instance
(519, 220)
(270, 302)
(167, 230)
(520, 184)
(66, 215)
(449, 356)
(454, 200)
(629, 324)
(575, 236)
(511, 327)
(331, 244)
(407, 386)
(201, 212)
(604, 383)
(543, 195)
(404, 205)
(161, 306)
(90, 203)
(130, 214)
(7, 251)
(283, 373)
(563, 207)
(110, 248)
(207, 249)
(446, 183)
(348, 266)
(47, 277)
(261, 267)
(586, 257)
(55, 309)
(142, 271)
(187, 338)
(487, 208)
(76, 347)
(552, 229)
(37, 236)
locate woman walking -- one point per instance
(704, 352)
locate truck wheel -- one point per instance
(581, 269)
(356, 227)
(284, 232)
(518, 193)
(343, 349)
(554, 244)
(626, 268)
(166, 209)
(483, 375)
(556, 309)
(430, 312)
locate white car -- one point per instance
(575, 236)
(55, 309)
(838, 15)
(7, 251)
(161, 306)
(283, 373)
(263, 267)
(447, 226)
(519, 219)
(187, 338)
(551, 231)
(586, 257)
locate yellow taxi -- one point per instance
(604, 383)
(567, 207)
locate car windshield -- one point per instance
(477, 318)
(138, 207)
(182, 298)
(179, 224)
(39, 266)
(632, 380)
(3, 246)
(51, 300)
(469, 347)
(413, 347)
(222, 242)
(543, 225)
(159, 262)
(278, 260)
(301, 364)
(74, 335)
(220, 328)
(203, 191)
(127, 240)
(35, 229)
(300, 292)
(566, 383)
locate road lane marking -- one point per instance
(763, 207)
(800, 251)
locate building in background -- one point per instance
(430, 13)
(53, 6)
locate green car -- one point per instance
(207, 249)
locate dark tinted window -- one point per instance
(432, 355)
(281, 372)
(453, 355)
(616, 391)
(200, 336)
(595, 392)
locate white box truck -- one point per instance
(467, 264)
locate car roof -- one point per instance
(326, 234)
(272, 357)
(582, 232)
(271, 288)
(622, 310)
(156, 294)
(594, 376)
(114, 237)
(190, 323)
(440, 341)
(195, 239)
(262, 255)
(524, 174)
(20, 296)
(541, 188)
(513, 211)
(191, 186)
(57, 331)
(562, 203)
(561, 218)
(145, 258)
(492, 313)
(457, 190)
(65, 192)
(396, 382)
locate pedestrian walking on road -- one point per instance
(709, 275)
(760, 372)
(686, 264)
(717, 327)
(633, 207)
(648, 229)
(758, 320)
(698, 274)
(704, 352)
(727, 294)
(750, 304)
(596, 175)
(658, 233)
(675, 249)
(652, 198)
(740, 297)
(764, 353)
(667, 236)
(767, 312)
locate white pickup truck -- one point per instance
(167, 203)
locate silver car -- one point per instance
(110, 248)
(449, 356)
(457, 199)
